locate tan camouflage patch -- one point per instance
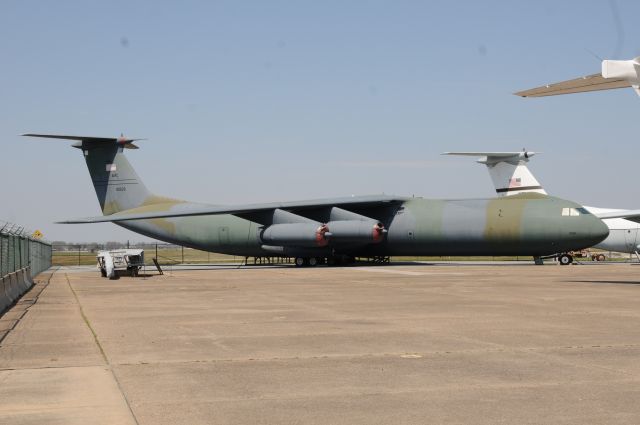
(504, 219)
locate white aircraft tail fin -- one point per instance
(508, 171)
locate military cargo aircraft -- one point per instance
(339, 229)
(511, 176)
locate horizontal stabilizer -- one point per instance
(615, 74)
(496, 154)
(190, 210)
(495, 157)
(587, 83)
(89, 140)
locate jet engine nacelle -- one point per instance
(356, 231)
(296, 234)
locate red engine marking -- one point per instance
(378, 232)
(321, 240)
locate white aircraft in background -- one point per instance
(614, 75)
(511, 176)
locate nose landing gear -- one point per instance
(565, 259)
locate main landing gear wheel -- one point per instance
(311, 261)
(565, 259)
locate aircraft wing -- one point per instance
(631, 215)
(587, 83)
(188, 209)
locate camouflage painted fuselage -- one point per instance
(528, 224)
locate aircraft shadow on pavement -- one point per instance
(213, 267)
(606, 282)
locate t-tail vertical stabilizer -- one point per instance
(508, 170)
(117, 185)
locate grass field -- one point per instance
(165, 256)
(191, 256)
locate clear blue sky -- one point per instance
(262, 101)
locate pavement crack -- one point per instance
(102, 352)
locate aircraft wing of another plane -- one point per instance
(631, 215)
(166, 210)
(587, 83)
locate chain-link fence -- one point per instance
(77, 254)
(18, 250)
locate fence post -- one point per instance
(13, 253)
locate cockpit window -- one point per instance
(574, 212)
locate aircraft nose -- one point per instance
(593, 230)
(580, 229)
